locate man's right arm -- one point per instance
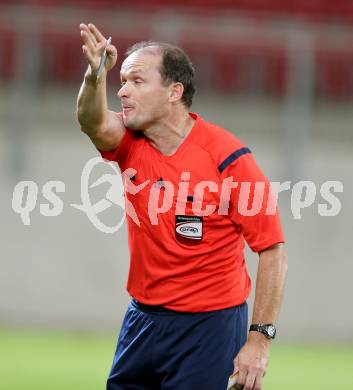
(104, 127)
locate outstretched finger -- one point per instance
(84, 29)
(97, 34)
(87, 39)
(88, 55)
(258, 382)
(83, 26)
(250, 381)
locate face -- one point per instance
(144, 98)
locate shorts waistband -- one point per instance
(162, 309)
(151, 308)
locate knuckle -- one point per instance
(256, 367)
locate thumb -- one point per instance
(112, 51)
(112, 56)
(236, 365)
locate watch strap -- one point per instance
(269, 330)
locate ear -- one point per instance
(176, 91)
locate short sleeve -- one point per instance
(252, 204)
(120, 153)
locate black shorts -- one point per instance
(160, 349)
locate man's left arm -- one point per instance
(252, 359)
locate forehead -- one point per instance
(141, 61)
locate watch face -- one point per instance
(271, 330)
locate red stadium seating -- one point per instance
(339, 10)
(335, 74)
(7, 51)
(256, 63)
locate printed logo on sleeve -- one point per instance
(188, 227)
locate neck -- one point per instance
(169, 133)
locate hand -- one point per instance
(93, 48)
(252, 361)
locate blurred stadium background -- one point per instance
(277, 74)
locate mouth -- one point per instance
(127, 109)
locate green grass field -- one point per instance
(42, 360)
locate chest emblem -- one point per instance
(188, 228)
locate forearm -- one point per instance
(252, 360)
(271, 277)
(92, 106)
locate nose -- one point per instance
(123, 91)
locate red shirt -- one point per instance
(183, 259)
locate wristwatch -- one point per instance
(269, 330)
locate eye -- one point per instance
(137, 81)
(122, 82)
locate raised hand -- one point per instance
(93, 48)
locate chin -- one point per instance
(129, 122)
(132, 123)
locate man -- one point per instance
(186, 327)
